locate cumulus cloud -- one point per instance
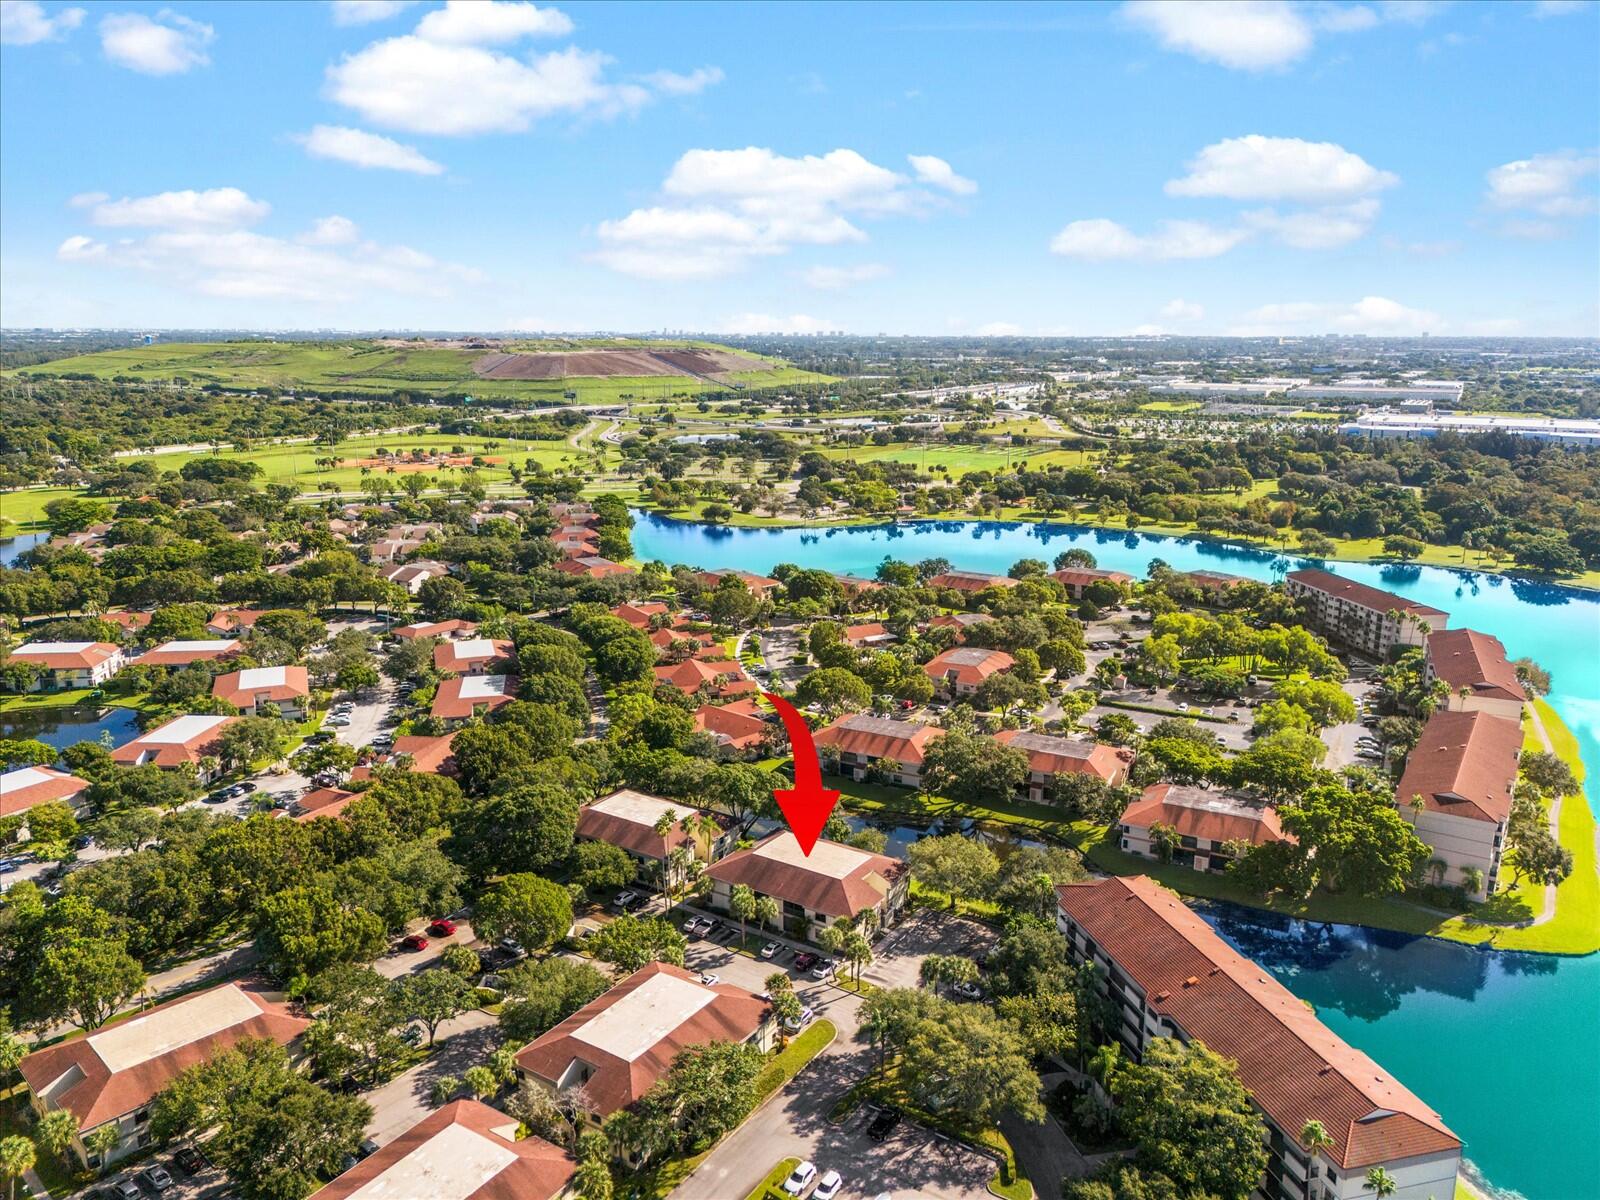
(1546, 184)
(1182, 310)
(459, 73)
(329, 264)
(1260, 35)
(491, 22)
(214, 208)
(753, 323)
(370, 150)
(1102, 240)
(937, 173)
(1279, 168)
(1317, 228)
(733, 206)
(168, 44)
(331, 231)
(825, 278)
(1375, 315)
(25, 23)
(365, 12)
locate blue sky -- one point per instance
(1085, 169)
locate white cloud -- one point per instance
(214, 208)
(1278, 168)
(443, 78)
(1182, 310)
(491, 22)
(87, 199)
(1547, 184)
(739, 205)
(1375, 315)
(170, 44)
(1317, 228)
(1248, 35)
(331, 231)
(1102, 240)
(328, 265)
(80, 249)
(365, 12)
(362, 149)
(937, 173)
(752, 323)
(1261, 35)
(1560, 8)
(671, 83)
(826, 278)
(24, 23)
(999, 329)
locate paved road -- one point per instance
(466, 1041)
(408, 962)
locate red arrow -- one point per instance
(807, 805)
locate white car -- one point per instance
(823, 969)
(710, 980)
(623, 899)
(806, 1017)
(828, 1186)
(770, 949)
(800, 1178)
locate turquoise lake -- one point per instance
(1505, 1046)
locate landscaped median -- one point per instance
(885, 1087)
(663, 1177)
(771, 1188)
(1038, 820)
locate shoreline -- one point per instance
(1085, 521)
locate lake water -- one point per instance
(1505, 1046)
(13, 548)
(70, 724)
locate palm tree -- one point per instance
(1314, 1137)
(1380, 1182)
(17, 1157)
(742, 905)
(767, 911)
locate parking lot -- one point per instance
(898, 955)
(208, 1182)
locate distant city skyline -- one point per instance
(1262, 169)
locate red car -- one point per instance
(443, 927)
(415, 942)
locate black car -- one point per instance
(191, 1160)
(883, 1124)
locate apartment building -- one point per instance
(1203, 821)
(1474, 667)
(1364, 618)
(263, 691)
(864, 744)
(1171, 976)
(70, 665)
(815, 889)
(1050, 756)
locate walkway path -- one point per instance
(1549, 909)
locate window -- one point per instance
(140, 1117)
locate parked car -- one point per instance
(126, 1189)
(190, 1160)
(828, 1186)
(770, 949)
(805, 960)
(221, 797)
(623, 898)
(883, 1124)
(795, 1025)
(710, 980)
(443, 927)
(823, 969)
(415, 941)
(157, 1178)
(412, 1035)
(800, 1179)
(967, 991)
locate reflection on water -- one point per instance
(69, 724)
(13, 548)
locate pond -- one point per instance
(1505, 1046)
(68, 724)
(13, 548)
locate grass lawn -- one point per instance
(34, 701)
(1574, 929)
(25, 508)
(1039, 820)
(1171, 406)
(16, 1121)
(771, 1188)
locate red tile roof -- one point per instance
(1081, 577)
(731, 1015)
(429, 755)
(242, 687)
(537, 1170)
(26, 787)
(1464, 764)
(449, 702)
(970, 665)
(738, 725)
(75, 1076)
(689, 675)
(640, 615)
(419, 630)
(874, 631)
(182, 653)
(1465, 658)
(878, 737)
(635, 836)
(1295, 1068)
(205, 741)
(324, 802)
(1197, 813)
(229, 619)
(970, 581)
(1049, 755)
(775, 866)
(759, 584)
(80, 657)
(464, 656)
(592, 566)
(1360, 593)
